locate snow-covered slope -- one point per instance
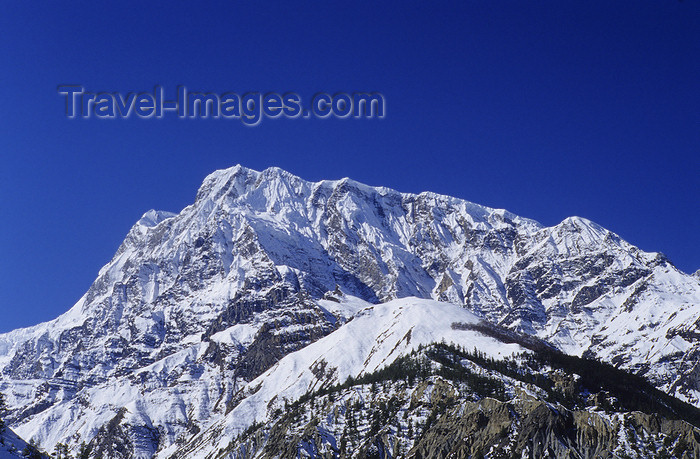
(375, 338)
(195, 305)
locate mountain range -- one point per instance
(277, 317)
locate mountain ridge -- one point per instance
(208, 299)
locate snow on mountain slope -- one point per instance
(373, 339)
(591, 293)
(194, 306)
(160, 401)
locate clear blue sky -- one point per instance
(548, 109)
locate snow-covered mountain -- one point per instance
(175, 334)
(376, 337)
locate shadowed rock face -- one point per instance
(538, 430)
(207, 299)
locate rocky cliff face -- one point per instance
(196, 305)
(518, 428)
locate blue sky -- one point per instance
(548, 109)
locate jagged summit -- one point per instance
(274, 184)
(153, 217)
(195, 306)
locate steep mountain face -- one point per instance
(195, 306)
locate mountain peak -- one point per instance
(154, 217)
(194, 307)
(222, 181)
